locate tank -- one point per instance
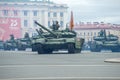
(105, 42)
(1, 45)
(10, 44)
(54, 40)
(24, 43)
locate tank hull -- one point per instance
(71, 44)
(97, 46)
(106, 42)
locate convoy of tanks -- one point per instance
(49, 40)
(12, 44)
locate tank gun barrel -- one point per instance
(39, 33)
(46, 29)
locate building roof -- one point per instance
(96, 25)
(25, 1)
(39, 2)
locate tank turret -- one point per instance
(23, 43)
(26, 35)
(10, 44)
(43, 27)
(107, 42)
(56, 33)
(103, 37)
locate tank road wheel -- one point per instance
(71, 48)
(33, 47)
(40, 49)
(13, 48)
(47, 51)
(115, 49)
(21, 47)
(7, 47)
(95, 48)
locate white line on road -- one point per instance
(5, 66)
(66, 78)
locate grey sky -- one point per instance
(94, 10)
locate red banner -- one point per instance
(71, 21)
(10, 26)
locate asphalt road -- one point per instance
(27, 65)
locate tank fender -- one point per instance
(79, 43)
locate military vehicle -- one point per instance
(105, 42)
(10, 44)
(1, 44)
(53, 40)
(24, 43)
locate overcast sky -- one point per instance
(107, 11)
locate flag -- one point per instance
(71, 21)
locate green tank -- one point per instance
(53, 40)
(10, 44)
(105, 42)
(24, 43)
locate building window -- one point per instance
(84, 33)
(25, 13)
(94, 33)
(48, 14)
(25, 23)
(91, 39)
(48, 23)
(61, 14)
(91, 33)
(5, 12)
(80, 34)
(61, 23)
(88, 39)
(54, 14)
(15, 12)
(35, 13)
(88, 33)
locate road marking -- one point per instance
(66, 78)
(113, 60)
(5, 66)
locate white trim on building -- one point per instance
(45, 12)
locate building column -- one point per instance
(44, 18)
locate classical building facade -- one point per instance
(89, 30)
(17, 16)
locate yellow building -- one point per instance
(89, 30)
